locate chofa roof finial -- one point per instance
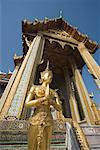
(61, 13)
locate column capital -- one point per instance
(81, 45)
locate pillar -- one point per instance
(93, 67)
(83, 94)
(8, 87)
(71, 96)
(15, 100)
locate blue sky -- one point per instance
(84, 14)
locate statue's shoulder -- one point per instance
(32, 88)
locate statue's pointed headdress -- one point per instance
(47, 67)
(45, 71)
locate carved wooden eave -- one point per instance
(18, 59)
(3, 82)
(30, 29)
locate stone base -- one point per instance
(13, 135)
(92, 133)
(24, 147)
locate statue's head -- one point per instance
(47, 75)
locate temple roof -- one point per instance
(29, 28)
(5, 76)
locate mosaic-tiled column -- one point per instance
(27, 69)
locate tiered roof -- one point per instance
(29, 28)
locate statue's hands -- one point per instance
(44, 100)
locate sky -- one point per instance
(84, 14)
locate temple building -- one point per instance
(68, 51)
(4, 78)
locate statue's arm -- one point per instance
(56, 104)
(59, 107)
(30, 101)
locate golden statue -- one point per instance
(42, 98)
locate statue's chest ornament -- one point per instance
(40, 91)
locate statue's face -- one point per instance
(46, 76)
